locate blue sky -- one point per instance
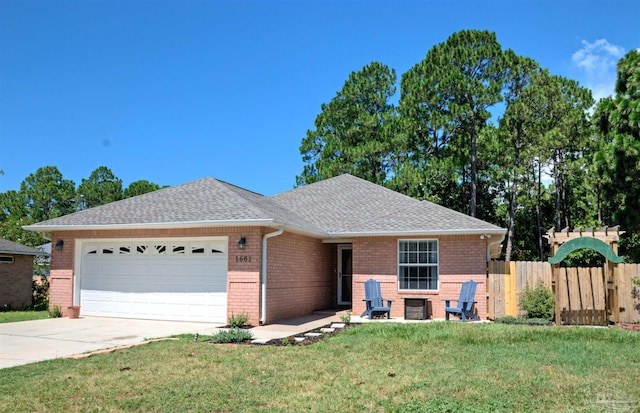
(173, 91)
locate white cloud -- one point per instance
(598, 61)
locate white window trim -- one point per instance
(419, 265)
(11, 259)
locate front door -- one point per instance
(345, 275)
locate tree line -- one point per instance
(551, 160)
(45, 194)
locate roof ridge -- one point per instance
(450, 210)
(328, 181)
(236, 186)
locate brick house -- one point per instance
(16, 274)
(205, 250)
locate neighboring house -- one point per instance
(16, 274)
(205, 250)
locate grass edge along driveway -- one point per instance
(430, 367)
(15, 316)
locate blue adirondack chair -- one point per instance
(464, 307)
(374, 301)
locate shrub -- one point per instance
(55, 312)
(538, 302)
(40, 290)
(288, 341)
(234, 335)
(238, 321)
(346, 318)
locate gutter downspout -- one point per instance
(489, 244)
(263, 285)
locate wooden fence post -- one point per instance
(510, 293)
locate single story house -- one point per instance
(205, 250)
(16, 275)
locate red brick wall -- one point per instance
(15, 282)
(243, 282)
(61, 273)
(301, 270)
(300, 276)
(461, 258)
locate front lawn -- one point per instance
(13, 316)
(431, 367)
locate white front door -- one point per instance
(345, 274)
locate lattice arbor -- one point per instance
(586, 295)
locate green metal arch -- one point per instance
(585, 242)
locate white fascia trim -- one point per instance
(153, 225)
(418, 233)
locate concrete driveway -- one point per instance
(30, 341)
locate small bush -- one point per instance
(538, 302)
(288, 341)
(234, 335)
(55, 312)
(40, 288)
(238, 321)
(520, 320)
(346, 318)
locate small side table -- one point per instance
(415, 308)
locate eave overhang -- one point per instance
(485, 232)
(175, 225)
(23, 253)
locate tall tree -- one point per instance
(354, 131)
(518, 129)
(13, 216)
(566, 126)
(102, 187)
(140, 187)
(617, 120)
(47, 194)
(451, 90)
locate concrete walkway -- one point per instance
(32, 341)
(297, 325)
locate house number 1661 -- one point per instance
(243, 258)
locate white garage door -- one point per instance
(155, 279)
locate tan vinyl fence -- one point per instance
(581, 296)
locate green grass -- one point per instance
(13, 316)
(432, 367)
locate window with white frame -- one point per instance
(418, 265)
(6, 259)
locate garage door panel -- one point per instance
(153, 283)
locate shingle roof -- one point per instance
(340, 202)
(10, 247)
(199, 201)
(332, 207)
(423, 217)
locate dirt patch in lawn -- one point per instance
(629, 326)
